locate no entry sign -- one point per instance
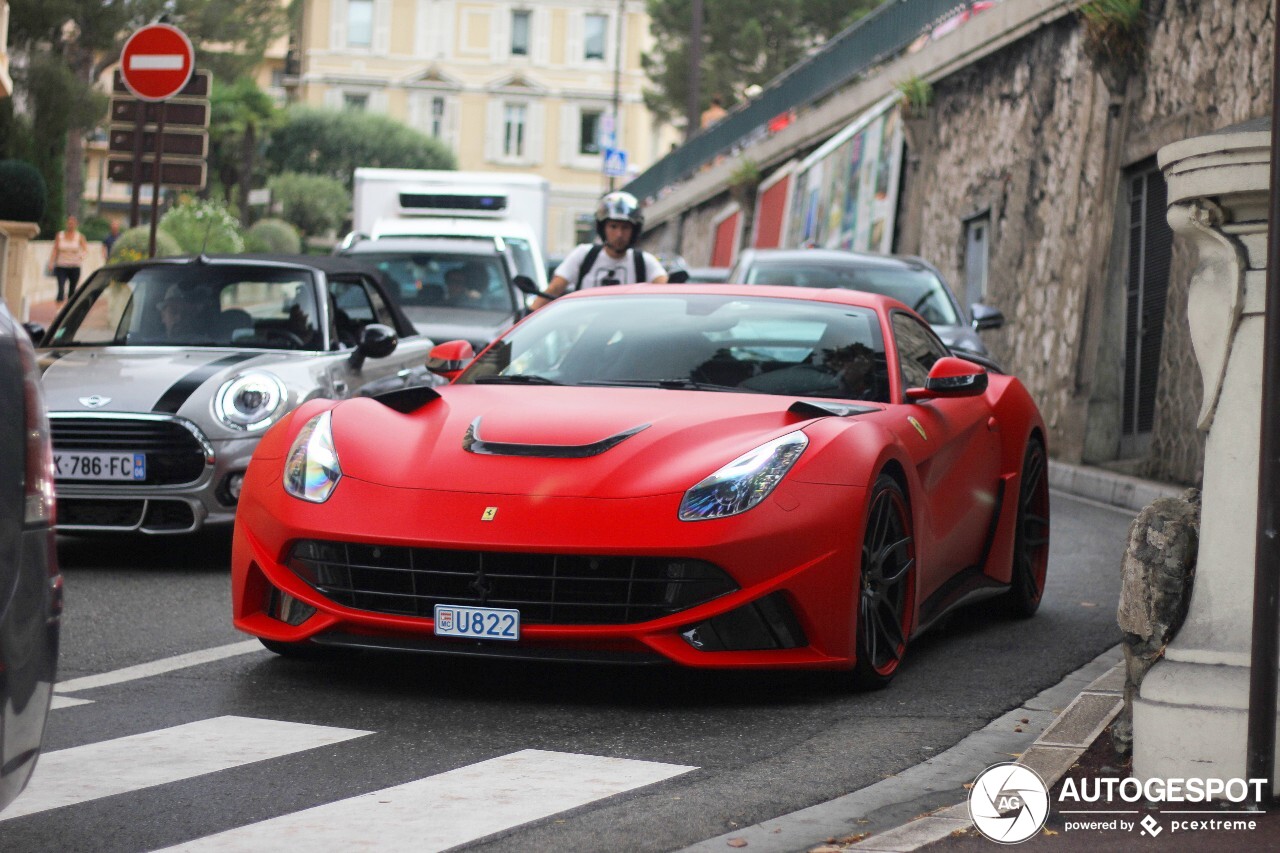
(156, 62)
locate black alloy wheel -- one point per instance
(886, 586)
(1031, 534)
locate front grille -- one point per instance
(84, 512)
(174, 454)
(547, 589)
(168, 515)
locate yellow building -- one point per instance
(509, 86)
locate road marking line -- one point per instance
(131, 763)
(157, 667)
(447, 809)
(67, 702)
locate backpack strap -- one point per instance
(642, 274)
(592, 254)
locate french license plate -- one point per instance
(128, 467)
(480, 623)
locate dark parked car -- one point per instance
(30, 584)
(910, 280)
(451, 288)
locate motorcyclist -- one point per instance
(614, 260)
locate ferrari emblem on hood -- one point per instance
(96, 401)
(489, 513)
(915, 423)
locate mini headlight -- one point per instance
(251, 401)
(311, 471)
(745, 481)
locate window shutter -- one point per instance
(333, 98)
(535, 139)
(493, 131)
(337, 24)
(568, 134)
(500, 35)
(450, 132)
(422, 28)
(378, 101)
(573, 44)
(382, 27)
(540, 36)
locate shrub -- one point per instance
(25, 192)
(314, 204)
(132, 245)
(95, 228)
(273, 235)
(202, 226)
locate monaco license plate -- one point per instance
(129, 467)
(479, 623)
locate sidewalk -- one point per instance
(1061, 731)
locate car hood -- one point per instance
(138, 379)
(649, 441)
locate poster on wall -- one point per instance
(846, 192)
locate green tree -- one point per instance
(85, 37)
(240, 117)
(744, 43)
(202, 226)
(313, 204)
(334, 142)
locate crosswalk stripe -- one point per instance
(67, 702)
(158, 667)
(131, 763)
(448, 809)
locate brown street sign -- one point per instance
(177, 113)
(178, 142)
(197, 86)
(173, 173)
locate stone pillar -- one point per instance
(1191, 715)
(14, 237)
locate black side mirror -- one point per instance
(376, 341)
(678, 277)
(35, 331)
(986, 317)
(526, 285)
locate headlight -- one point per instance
(745, 481)
(250, 402)
(311, 471)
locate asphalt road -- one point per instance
(727, 750)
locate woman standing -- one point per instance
(69, 249)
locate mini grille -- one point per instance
(547, 589)
(174, 455)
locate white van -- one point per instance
(521, 242)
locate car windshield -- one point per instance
(238, 305)
(696, 342)
(453, 280)
(918, 289)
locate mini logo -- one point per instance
(1008, 802)
(1151, 827)
(489, 513)
(97, 401)
(915, 423)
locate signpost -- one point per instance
(157, 65)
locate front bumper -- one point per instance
(796, 548)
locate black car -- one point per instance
(451, 288)
(910, 280)
(30, 583)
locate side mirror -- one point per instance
(376, 341)
(951, 377)
(527, 285)
(986, 317)
(35, 331)
(678, 277)
(450, 358)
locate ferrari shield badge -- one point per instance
(915, 423)
(489, 513)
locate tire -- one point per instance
(886, 586)
(1031, 535)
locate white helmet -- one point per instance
(621, 207)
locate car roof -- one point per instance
(450, 226)
(484, 246)
(833, 256)
(327, 264)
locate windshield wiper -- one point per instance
(673, 384)
(515, 379)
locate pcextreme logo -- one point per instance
(1008, 803)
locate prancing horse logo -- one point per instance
(97, 401)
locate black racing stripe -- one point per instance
(48, 357)
(170, 401)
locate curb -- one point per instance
(1109, 487)
(1052, 754)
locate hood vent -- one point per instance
(472, 443)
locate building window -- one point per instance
(437, 117)
(977, 239)
(359, 23)
(356, 101)
(589, 132)
(514, 118)
(596, 26)
(520, 33)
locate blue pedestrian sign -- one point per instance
(615, 162)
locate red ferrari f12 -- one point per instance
(715, 476)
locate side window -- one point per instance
(381, 311)
(918, 349)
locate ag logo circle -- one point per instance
(1008, 803)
